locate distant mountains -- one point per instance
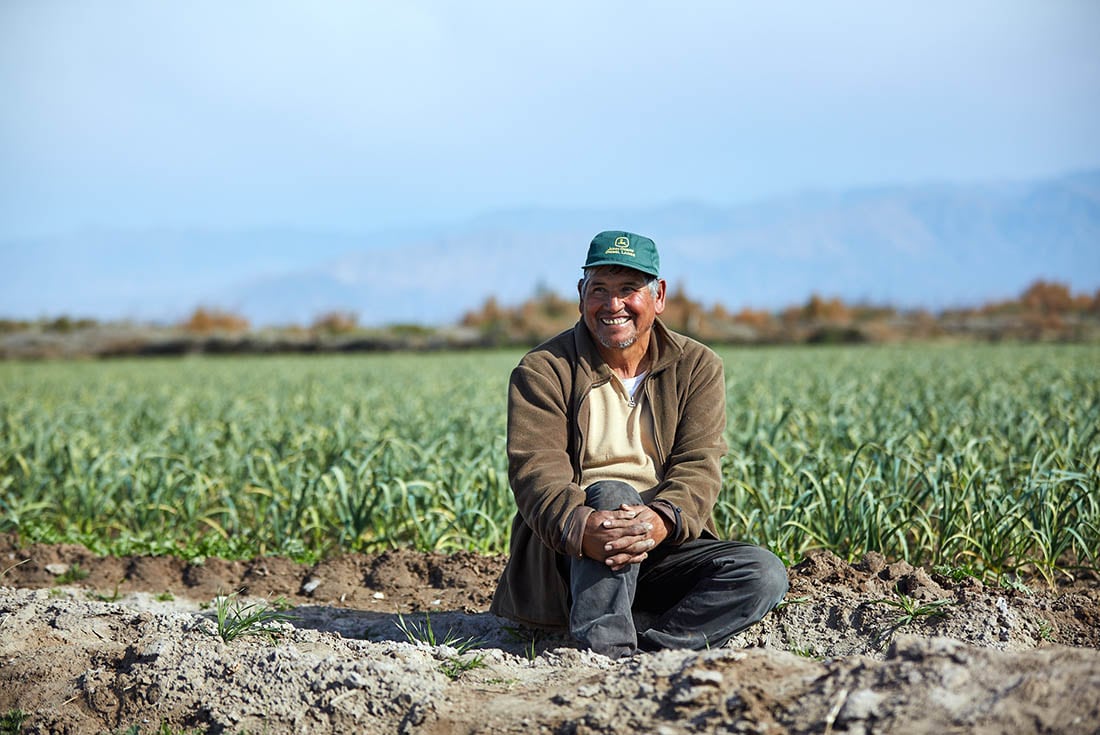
(932, 246)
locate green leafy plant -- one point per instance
(424, 633)
(805, 651)
(11, 722)
(235, 618)
(75, 573)
(788, 601)
(281, 604)
(529, 638)
(911, 611)
(455, 666)
(417, 632)
(956, 573)
(1015, 584)
(531, 650)
(114, 596)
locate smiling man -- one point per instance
(615, 434)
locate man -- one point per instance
(615, 433)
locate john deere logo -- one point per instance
(621, 247)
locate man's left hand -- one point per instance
(624, 551)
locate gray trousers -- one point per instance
(699, 594)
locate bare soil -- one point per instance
(132, 647)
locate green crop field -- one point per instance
(984, 458)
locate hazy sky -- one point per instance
(354, 116)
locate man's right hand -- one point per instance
(620, 537)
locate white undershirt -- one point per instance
(631, 384)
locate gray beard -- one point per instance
(618, 345)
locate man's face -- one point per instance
(618, 308)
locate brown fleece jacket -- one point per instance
(547, 413)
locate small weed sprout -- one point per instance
(114, 596)
(165, 597)
(529, 638)
(1013, 583)
(805, 651)
(454, 666)
(956, 573)
(417, 632)
(531, 649)
(11, 722)
(236, 619)
(787, 601)
(424, 633)
(75, 573)
(282, 604)
(498, 681)
(911, 611)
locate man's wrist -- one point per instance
(670, 515)
(573, 535)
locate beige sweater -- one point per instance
(621, 444)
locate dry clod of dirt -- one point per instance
(400, 643)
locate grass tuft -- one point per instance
(454, 666)
(75, 573)
(423, 632)
(236, 619)
(114, 596)
(11, 722)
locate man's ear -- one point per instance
(580, 296)
(659, 300)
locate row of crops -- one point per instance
(984, 459)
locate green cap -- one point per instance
(615, 247)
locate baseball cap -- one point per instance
(616, 247)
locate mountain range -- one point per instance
(932, 246)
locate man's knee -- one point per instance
(610, 494)
(755, 571)
(772, 582)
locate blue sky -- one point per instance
(356, 116)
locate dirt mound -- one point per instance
(392, 581)
(870, 647)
